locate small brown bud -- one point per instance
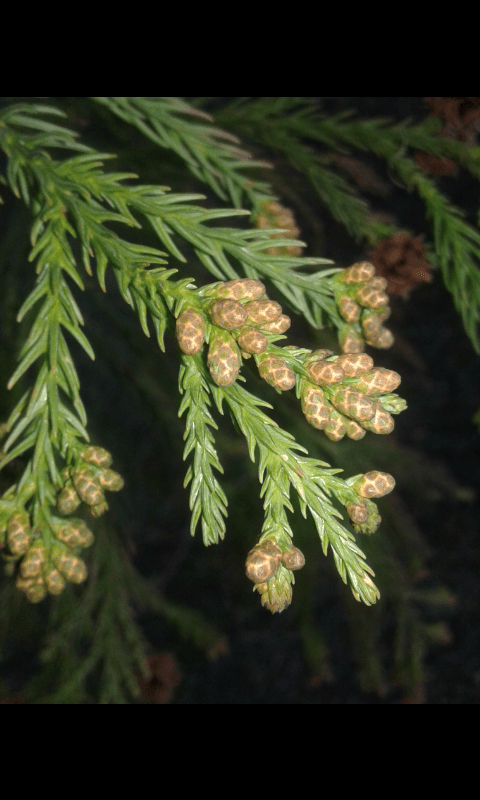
(88, 487)
(358, 273)
(277, 373)
(223, 362)
(75, 534)
(98, 510)
(280, 325)
(55, 582)
(228, 314)
(357, 513)
(68, 500)
(316, 411)
(384, 340)
(97, 456)
(354, 429)
(34, 589)
(252, 341)
(190, 332)
(354, 405)
(262, 562)
(262, 312)
(18, 533)
(111, 480)
(31, 564)
(336, 429)
(371, 298)
(326, 372)
(293, 558)
(378, 283)
(355, 364)
(379, 381)
(375, 484)
(71, 567)
(349, 309)
(381, 422)
(350, 339)
(241, 289)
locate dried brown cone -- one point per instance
(223, 361)
(190, 333)
(276, 372)
(252, 341)
(228, 314)
(402, 261)
(241, 289)
(457, 112)
(262, 561)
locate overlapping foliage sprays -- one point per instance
(218, 327)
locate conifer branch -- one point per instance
(214, 156)
(79, 200)
(456, 242)
(281, 467)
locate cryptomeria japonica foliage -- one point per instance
(228, 332)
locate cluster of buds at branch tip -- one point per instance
(241, 318)
(364, 514)
(274, 215)
(271, 569)
(44, 551)
(363, 304)
(87, 483)
(347, 395)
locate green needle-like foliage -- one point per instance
(89, 222)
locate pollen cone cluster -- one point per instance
(47, 553)
(363, 303)
(241, 317)
(347, 396)
(271, 569)
(364, 514)
(274, 215)
(87, 482)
